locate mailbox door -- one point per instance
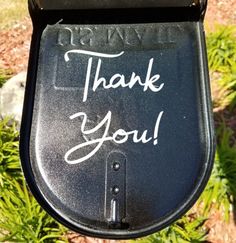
(117, 135)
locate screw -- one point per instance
(115, 190)
(116, 166)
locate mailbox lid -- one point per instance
(166, 161)
(93, 4)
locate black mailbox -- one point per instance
(117, 136)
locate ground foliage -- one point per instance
(5, 74)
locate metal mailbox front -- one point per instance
(117, 135)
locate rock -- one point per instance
(12, 96)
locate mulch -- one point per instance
(14, 46)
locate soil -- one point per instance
(14, 46)
(220, 12)
(221, 231)
(14, 50)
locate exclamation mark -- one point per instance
(156, 130)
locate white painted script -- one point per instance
(104, 126)
(119, 137)
(117, 80)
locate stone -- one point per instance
(12, 97)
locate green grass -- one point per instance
(9, 151)
(221, 189)
(187, 229)
(21, 217)
(12, 11)
(222, 49)
(4, 76)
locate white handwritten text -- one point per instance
(117, 80)
(119, 137)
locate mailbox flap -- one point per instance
(113, 11)
(117, 135)
(94, 4)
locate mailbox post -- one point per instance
(117, 136)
